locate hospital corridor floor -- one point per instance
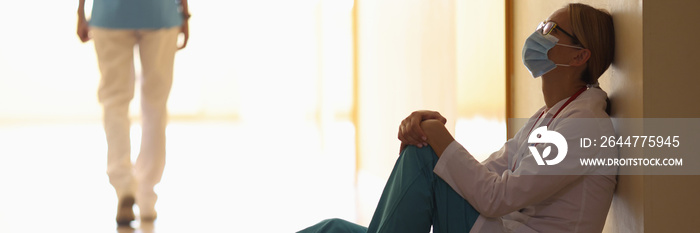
(220, 176)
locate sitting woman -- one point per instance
(436, 182)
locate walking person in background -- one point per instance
(116, 26)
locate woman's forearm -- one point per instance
(81, 9)
(185, 9)
(438, 136)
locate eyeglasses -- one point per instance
(547, 27)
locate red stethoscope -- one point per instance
(572, 98)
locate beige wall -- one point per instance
(671, 91)
(671, 58)
(652, 76)
(624, 82)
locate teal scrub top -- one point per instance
(136, 14)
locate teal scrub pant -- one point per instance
(413, 200)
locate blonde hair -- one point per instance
(595, 31)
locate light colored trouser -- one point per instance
(115, 55)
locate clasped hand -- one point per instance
(423, 128)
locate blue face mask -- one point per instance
(535, 53)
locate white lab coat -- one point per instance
(535, 198)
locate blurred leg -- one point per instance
(115, 56)
(157, 50)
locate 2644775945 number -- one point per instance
(640, 141)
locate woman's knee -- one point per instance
(424, 155)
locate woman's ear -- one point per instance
(581, 57)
